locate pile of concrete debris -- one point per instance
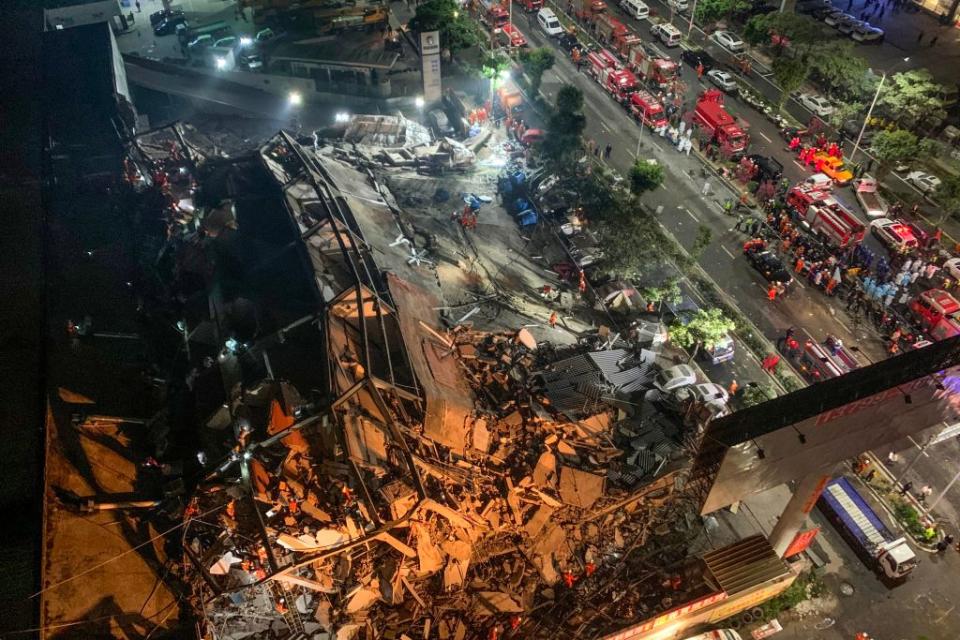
(294, 537)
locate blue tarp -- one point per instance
(857, 507)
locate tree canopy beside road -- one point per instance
(910, 97)
(790, 74)
(783, 30)
(843, 73)
(563, 145)
(713, 10)
(458, 31)
(706, 328)
(948, 196)
(891, 147)
(535, 64)
(645, 176)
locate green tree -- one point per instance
(847, 111)
(891, 147)
(754, 393)
(563, 144)
(645, 176)
(668, 291)
(845, 74)
(713, 10)
(705, 329)
(535, 63)
(457, 30)
(787, 29)
(911, 97)
(790, 74)
(701, 242)
(948, 197)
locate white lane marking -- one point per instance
(799, 165)
(760, 133)
(733, 257)
(841, 323)
(687, 211)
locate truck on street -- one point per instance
(654, 69)
(493, 14)
(647, 109)
(824, 216)
(718, 123)
(863, 530)
(871, 202)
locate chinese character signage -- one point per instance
(430, 65)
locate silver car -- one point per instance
(722, 80)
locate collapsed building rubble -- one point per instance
(375, 474)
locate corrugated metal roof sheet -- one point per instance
(608, 361)
(745, 565)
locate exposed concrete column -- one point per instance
(795, 513)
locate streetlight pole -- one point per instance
(693, 12)
(639, 138)
(876, 96)
(944, 492)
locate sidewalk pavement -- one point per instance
(882, 489)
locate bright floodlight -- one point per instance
(419, 102)
(295, 98)
(221, 63)
(342, 116)
(246, 41)
(505, 74)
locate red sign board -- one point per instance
(801, 542)
(815, 495)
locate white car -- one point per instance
(678, 5)
(710, 394)
(723, 80)
(676, 377)
(667, 33)
(836, 17)
(816, 104)
(868, 33)
(953, 268)
(226, 43)
(923, 181)
(729, 41)
(548, 21)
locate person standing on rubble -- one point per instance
(553, 320)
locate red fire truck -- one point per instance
(493, 13)
(608, 28)
(937, 312)
(646, 108)
(824, 361)
(658, 71)
(610, 74)
(587, 9)
(826, 217)
(721, 126)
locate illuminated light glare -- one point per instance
(342, 116)
(221, 63)
(419, 102)
(295, 98)
(246, 41)
(505, 74)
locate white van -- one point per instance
(635, 8)
(668, 34)
(549, 23)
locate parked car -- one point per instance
(549, 23)
(817, 104)
(169, 26)
(852, 129)
(164, 14)
(821, 13)
(770, 266)
(677, 376)
(636, 9)
(868, 33)
(265, 35)
(833, 167)
(729, 41)
(848, 23)
(226, 43)
(200, 43)
(834, 19)
(678, 5)
(723, 80)
(696, 57)
(926, 182)
(768, 168)
(952, 266)
(568, 41)
(709, 393)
